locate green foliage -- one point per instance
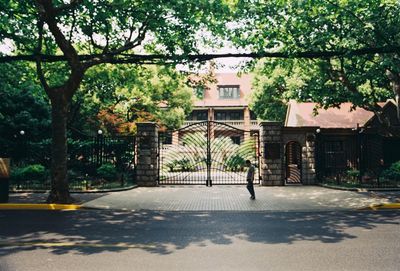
(247, 149)
(184, 164)
(393, 172)
(33, 172)
(106, 32)
(239, 154)
(268, 96)
(107, 172)
(116, 97)
(196, 139)
(235, 163)
(24, 107)
(292, 27)
(353, 173)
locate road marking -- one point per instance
(389, 205)
(76, 244)
(34, 206)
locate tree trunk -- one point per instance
(59, 182)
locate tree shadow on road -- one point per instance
(91, 232)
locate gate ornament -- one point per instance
(207, 153)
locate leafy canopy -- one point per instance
(323, 25)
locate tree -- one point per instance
(327, 26)
(23, 107)
(115, 97)
(66, 39)
(104, 31)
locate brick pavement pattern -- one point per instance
(234, 198)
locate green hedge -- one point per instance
(35, 172)
(393, 172)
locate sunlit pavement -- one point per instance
(219, 198)
(236, 198)
(205, 228)
(203, 240)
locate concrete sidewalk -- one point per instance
(218, 198)
(235, 198)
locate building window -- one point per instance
(198, 115)
(229, 115)
(229, 92)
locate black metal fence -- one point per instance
(94, 163)
(357, 161)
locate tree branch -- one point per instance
(135, 58)
(38, 50)
(64, 7)
(48, 13)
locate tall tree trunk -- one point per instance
(59, 182)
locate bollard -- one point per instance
(4, 179)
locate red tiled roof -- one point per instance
(211, 98)
(301, 114)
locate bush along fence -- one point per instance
(388, 177)
(94, 163)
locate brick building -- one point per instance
(226, 101)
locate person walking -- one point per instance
(250, 179)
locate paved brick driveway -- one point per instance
(234, 198)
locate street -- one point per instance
(199, 240)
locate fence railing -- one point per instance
(94, 162)
(235, 123)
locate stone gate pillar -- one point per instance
(271, 153)
(308, 159)
(147, 154)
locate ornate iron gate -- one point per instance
(207, 153)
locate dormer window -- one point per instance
(229, 92)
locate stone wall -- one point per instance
(147, 154)
(275, 137)
(308, 160)
(271, 153)
(306, 138)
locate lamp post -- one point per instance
(99, 147)
(317, 150)
(23, 145)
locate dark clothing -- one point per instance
(250, 174)
(250, 187)
(250, 179)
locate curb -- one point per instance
(79, 192)
(379, 206)
(38, 206)
(360, 189)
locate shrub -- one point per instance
(107, 172)
(172, 165)
(185, 164)
(33, 172)
(353, 174)
(235, 162)
(393, 172)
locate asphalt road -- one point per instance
(219, 240)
